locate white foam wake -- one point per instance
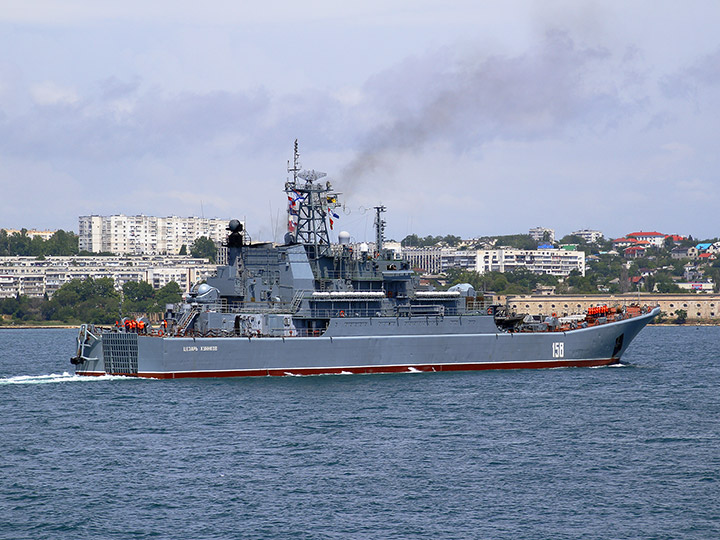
(57, 378)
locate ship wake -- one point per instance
(57, 378)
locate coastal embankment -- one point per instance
(699, 308)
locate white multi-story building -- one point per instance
(538, 234)
(146, 235)
(32, 277)
(588, 235)
(655, 238)
(558, 262)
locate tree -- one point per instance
(89, 300)
(452, 240)
(519, 241)
(681, 316)
(61, 243)
(168, 294)
(204, 248)
(139, 297)
(183, 250)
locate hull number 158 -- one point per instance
(558, 349)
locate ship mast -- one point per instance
(310, 204)
(379, 228)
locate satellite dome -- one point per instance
(364, 248)
(344, 238)
(203, 288)
(234, 225)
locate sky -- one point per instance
(470, 117)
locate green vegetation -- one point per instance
(413, 240)
(519, 241)
(520, 281)
(60, 243)
(204, 248)
(140, 297)
(90, 300)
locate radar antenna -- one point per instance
(295, 169)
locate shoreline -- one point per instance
(35, 326)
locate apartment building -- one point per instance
(590, 236)
(558, 262)
(540, 234)
(34, 278)
(146, 235)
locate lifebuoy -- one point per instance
(342, 313)
(489, 312)
(160, 332)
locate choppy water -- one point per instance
(619, 452)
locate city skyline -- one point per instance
(467, 119)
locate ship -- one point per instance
(311, 307)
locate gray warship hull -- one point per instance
(361, 345)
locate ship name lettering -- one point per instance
(209, 348)
(190, 349)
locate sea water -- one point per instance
(614, 452)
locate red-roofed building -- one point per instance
(620, 243)
(655, 238)
(676, 237)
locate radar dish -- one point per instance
(311, 175)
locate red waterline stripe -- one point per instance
(540, 364)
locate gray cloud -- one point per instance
(470, 98)
(687, 82)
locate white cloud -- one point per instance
(50, 93)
